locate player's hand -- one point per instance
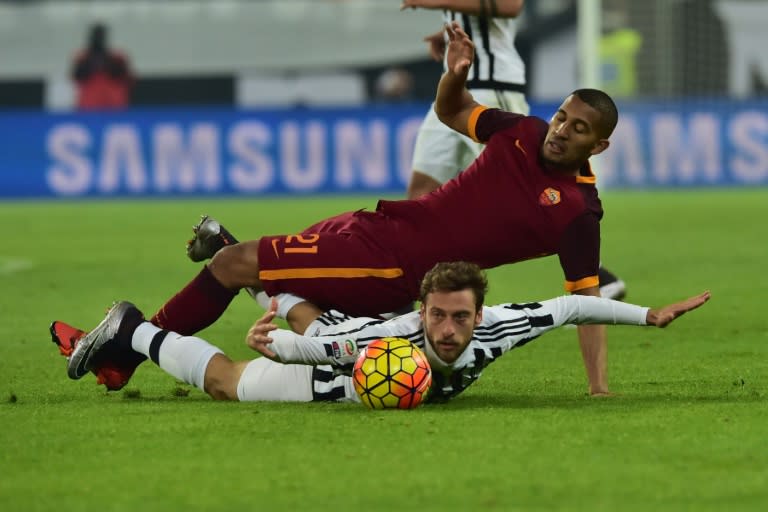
(460, 49)
(662, 317)
(258, 335)
(436, 43)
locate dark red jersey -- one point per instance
(505, 207)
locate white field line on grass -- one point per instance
(12, 266)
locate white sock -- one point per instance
(184, 357)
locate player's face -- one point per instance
(572, 136)
(449, 320)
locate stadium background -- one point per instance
(265, 114)
(281, 97)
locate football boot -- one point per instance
(209, 237)
(106, 350)
(611, 287)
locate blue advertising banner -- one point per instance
(684, 144)
(197, 152)
(188, 152)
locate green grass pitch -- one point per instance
(688, 429)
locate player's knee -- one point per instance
(221, 378)
(237, 266)
(220, 393)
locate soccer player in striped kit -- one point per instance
(458, 333)
(496, 79)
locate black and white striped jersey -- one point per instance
(497, 64)
(504, 327)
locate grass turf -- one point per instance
(687, 430)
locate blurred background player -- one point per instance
(497, 80)
(393, 85)
(103, 76)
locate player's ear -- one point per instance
(478, 317)
(600, 146)
(422, 311)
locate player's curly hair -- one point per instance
(455, 276)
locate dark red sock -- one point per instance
(195, 307)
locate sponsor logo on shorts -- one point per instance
(549, 197)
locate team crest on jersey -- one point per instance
(549, 197)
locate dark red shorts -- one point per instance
(347, 262)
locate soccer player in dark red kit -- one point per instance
(531, 193)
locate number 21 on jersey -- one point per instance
(298, 244)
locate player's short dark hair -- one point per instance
(455, 276)
(600, 101)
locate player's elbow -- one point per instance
(447, 116)
(442, 115)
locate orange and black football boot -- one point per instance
(113, 368)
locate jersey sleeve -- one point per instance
(291, 348)
(517, 324)
(484, 122)
(580, 309)
(507, 326)
(579, 252)
(336, 339)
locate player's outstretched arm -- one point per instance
(663, 316)
(454, 104)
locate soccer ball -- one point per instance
(391, 373)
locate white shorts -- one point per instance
(441, 152)
(264, 380)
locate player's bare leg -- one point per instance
(222, 376)
(205, 298)
(237, 266)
